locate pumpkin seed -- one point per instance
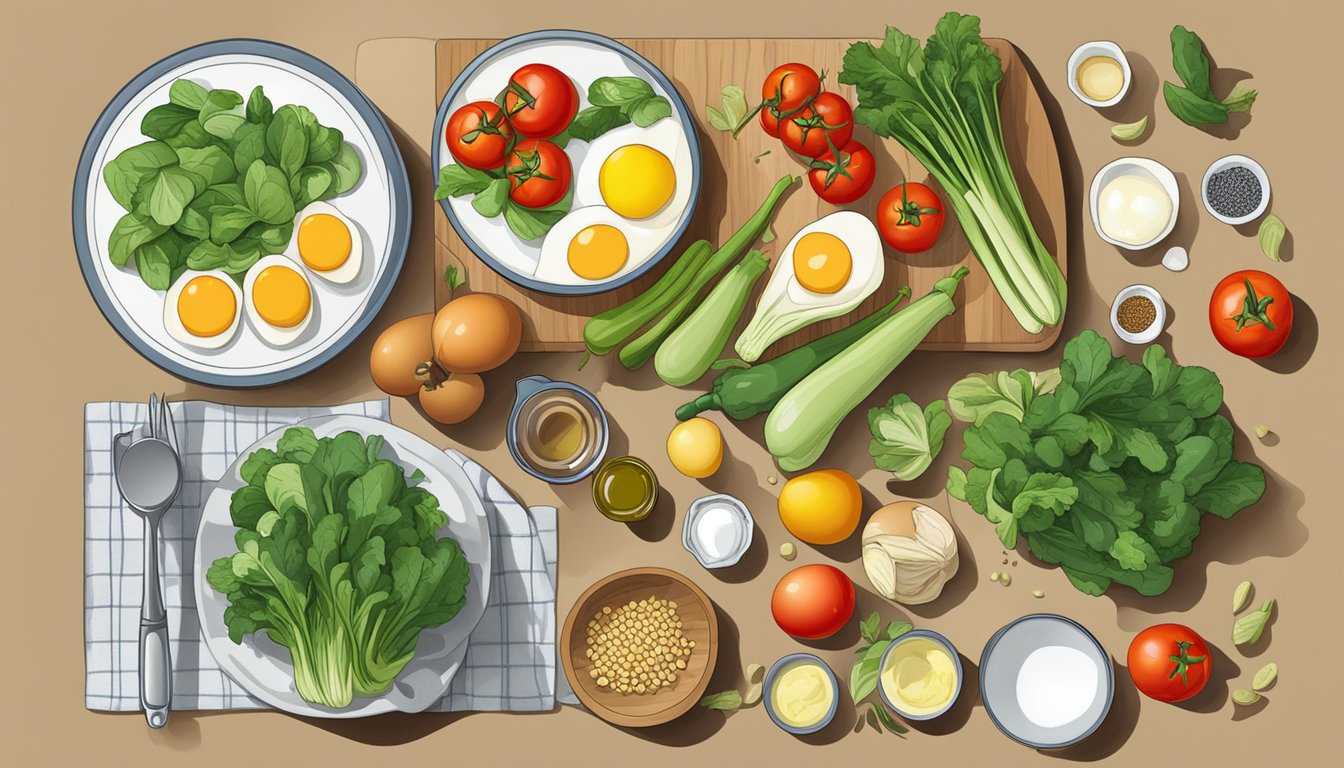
(1250, 627)
(1272, 231)
(1265, 677)
(755, 678)
(1130, 131)
(1038, 593)
(1244, 697)
(1242, 595)
(994, 576)
(1261, 431)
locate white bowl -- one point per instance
(1140, 166)
(1148, 334)
(1099, 48)
(1229, 162)
(742, 527)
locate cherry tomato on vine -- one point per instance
(540, 100)
(479, 136)
(910, 217)
(787, 89)
(846, 178)
(539, 173)
(770, 121)
(1169, 662)
(1251, 313)
(807, 131)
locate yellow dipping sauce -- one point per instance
(919, 676)
(802, 694)
(1100, 78)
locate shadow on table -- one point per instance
(1114, 731)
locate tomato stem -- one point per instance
(1183, 661)
(1254, 310)
(911, 211)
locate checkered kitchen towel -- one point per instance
(510, 662)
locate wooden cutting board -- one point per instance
(737, 178)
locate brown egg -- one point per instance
(398, 350)
(455, 400)
(476, 332)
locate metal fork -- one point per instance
(149, 475)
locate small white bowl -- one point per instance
(1141, 166)
(1147, 335)
(741, 524)
(1232, 161)
(1099, 48)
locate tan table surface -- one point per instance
(63, 63)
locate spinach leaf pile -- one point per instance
(1194, 102)
(219, 185)
(338, 560)
(1107, 474)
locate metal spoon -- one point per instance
(149, 476)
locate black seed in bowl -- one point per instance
(1234, 192)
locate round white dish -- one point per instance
(379, 205)
(584, 57)
(1099, 48)
(1148, 334)
(1223, 163)
(1142, 166)
(263, 668)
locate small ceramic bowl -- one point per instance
(1099, 48)
(776, 669)
(940, 640)
(1232, 161)
(1147, 335)
(742, 533)
(1140, 166)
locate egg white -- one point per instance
(348, 271)
(274, 335)
(785, 305)
(553, 263)
(665, 136)
(172, 322)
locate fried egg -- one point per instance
(641, 174)
(202, 309)
(826, 270)
(278, 300)
(594, 244)
(327, 243)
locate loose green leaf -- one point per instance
(124, 174)
(534, 223)
(222, 113)
(267, 193)
(726, 701)
(166, 121)
(1271, 235)
(592, 122)
(167, 191)
(259, 110)
(210, 163)
(734, 110)
(188, 94)
(648, 111)
(458, 180)
(888, 721)
(906, 439)
(1248, 629)
(130, 232)
(490, 202)
(868, 628)
(1130, 131)
(1241, 596)
(453, 278)
(620, 92)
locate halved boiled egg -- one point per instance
(202, 309)
(278, 300)
(826, 270)
(327, 242)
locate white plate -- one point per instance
(378, 204)
(584, 57)
(263, 668)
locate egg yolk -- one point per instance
(636, 181)
(598, 251)
(324, 242)
(281, 296)
(206, 306)
(822, 262)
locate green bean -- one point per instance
(604, 332)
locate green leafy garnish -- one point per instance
(732, 114)
(727, 701)
(1194, 102)
(906, 439)
(863, 675)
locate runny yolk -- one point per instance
(281, 296)
(822, 262)
(598, 252)
(206, 306)
(324, 242)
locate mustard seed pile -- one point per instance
(637, 647)
(1136, 314)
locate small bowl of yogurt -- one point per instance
(1134, 202)
(718, 530)
(801, 694)
(1099, 73)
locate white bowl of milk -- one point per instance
(1134, 202)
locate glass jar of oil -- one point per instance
(625, 489)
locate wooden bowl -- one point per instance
(699, 624)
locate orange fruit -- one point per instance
(821, 507)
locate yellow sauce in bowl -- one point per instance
(802, 694)
(1100, 78)
(919, 677)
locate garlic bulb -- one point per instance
(909, 552)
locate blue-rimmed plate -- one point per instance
(584, 57)
(379, 205)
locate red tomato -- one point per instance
(479, 136)
(541, 101)
(539, 173)
(846, 179)
(1169, 662)
(790, 86)
(910, 217)
(1251, 313)
(770, 121)
(808, 131)
(813, 601)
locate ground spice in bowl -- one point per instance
(1136, 314)
(1234, 192)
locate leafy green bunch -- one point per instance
(1107, 473)
(219, 185)
(339, 561)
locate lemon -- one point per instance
(695, 447)
(821, 507)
